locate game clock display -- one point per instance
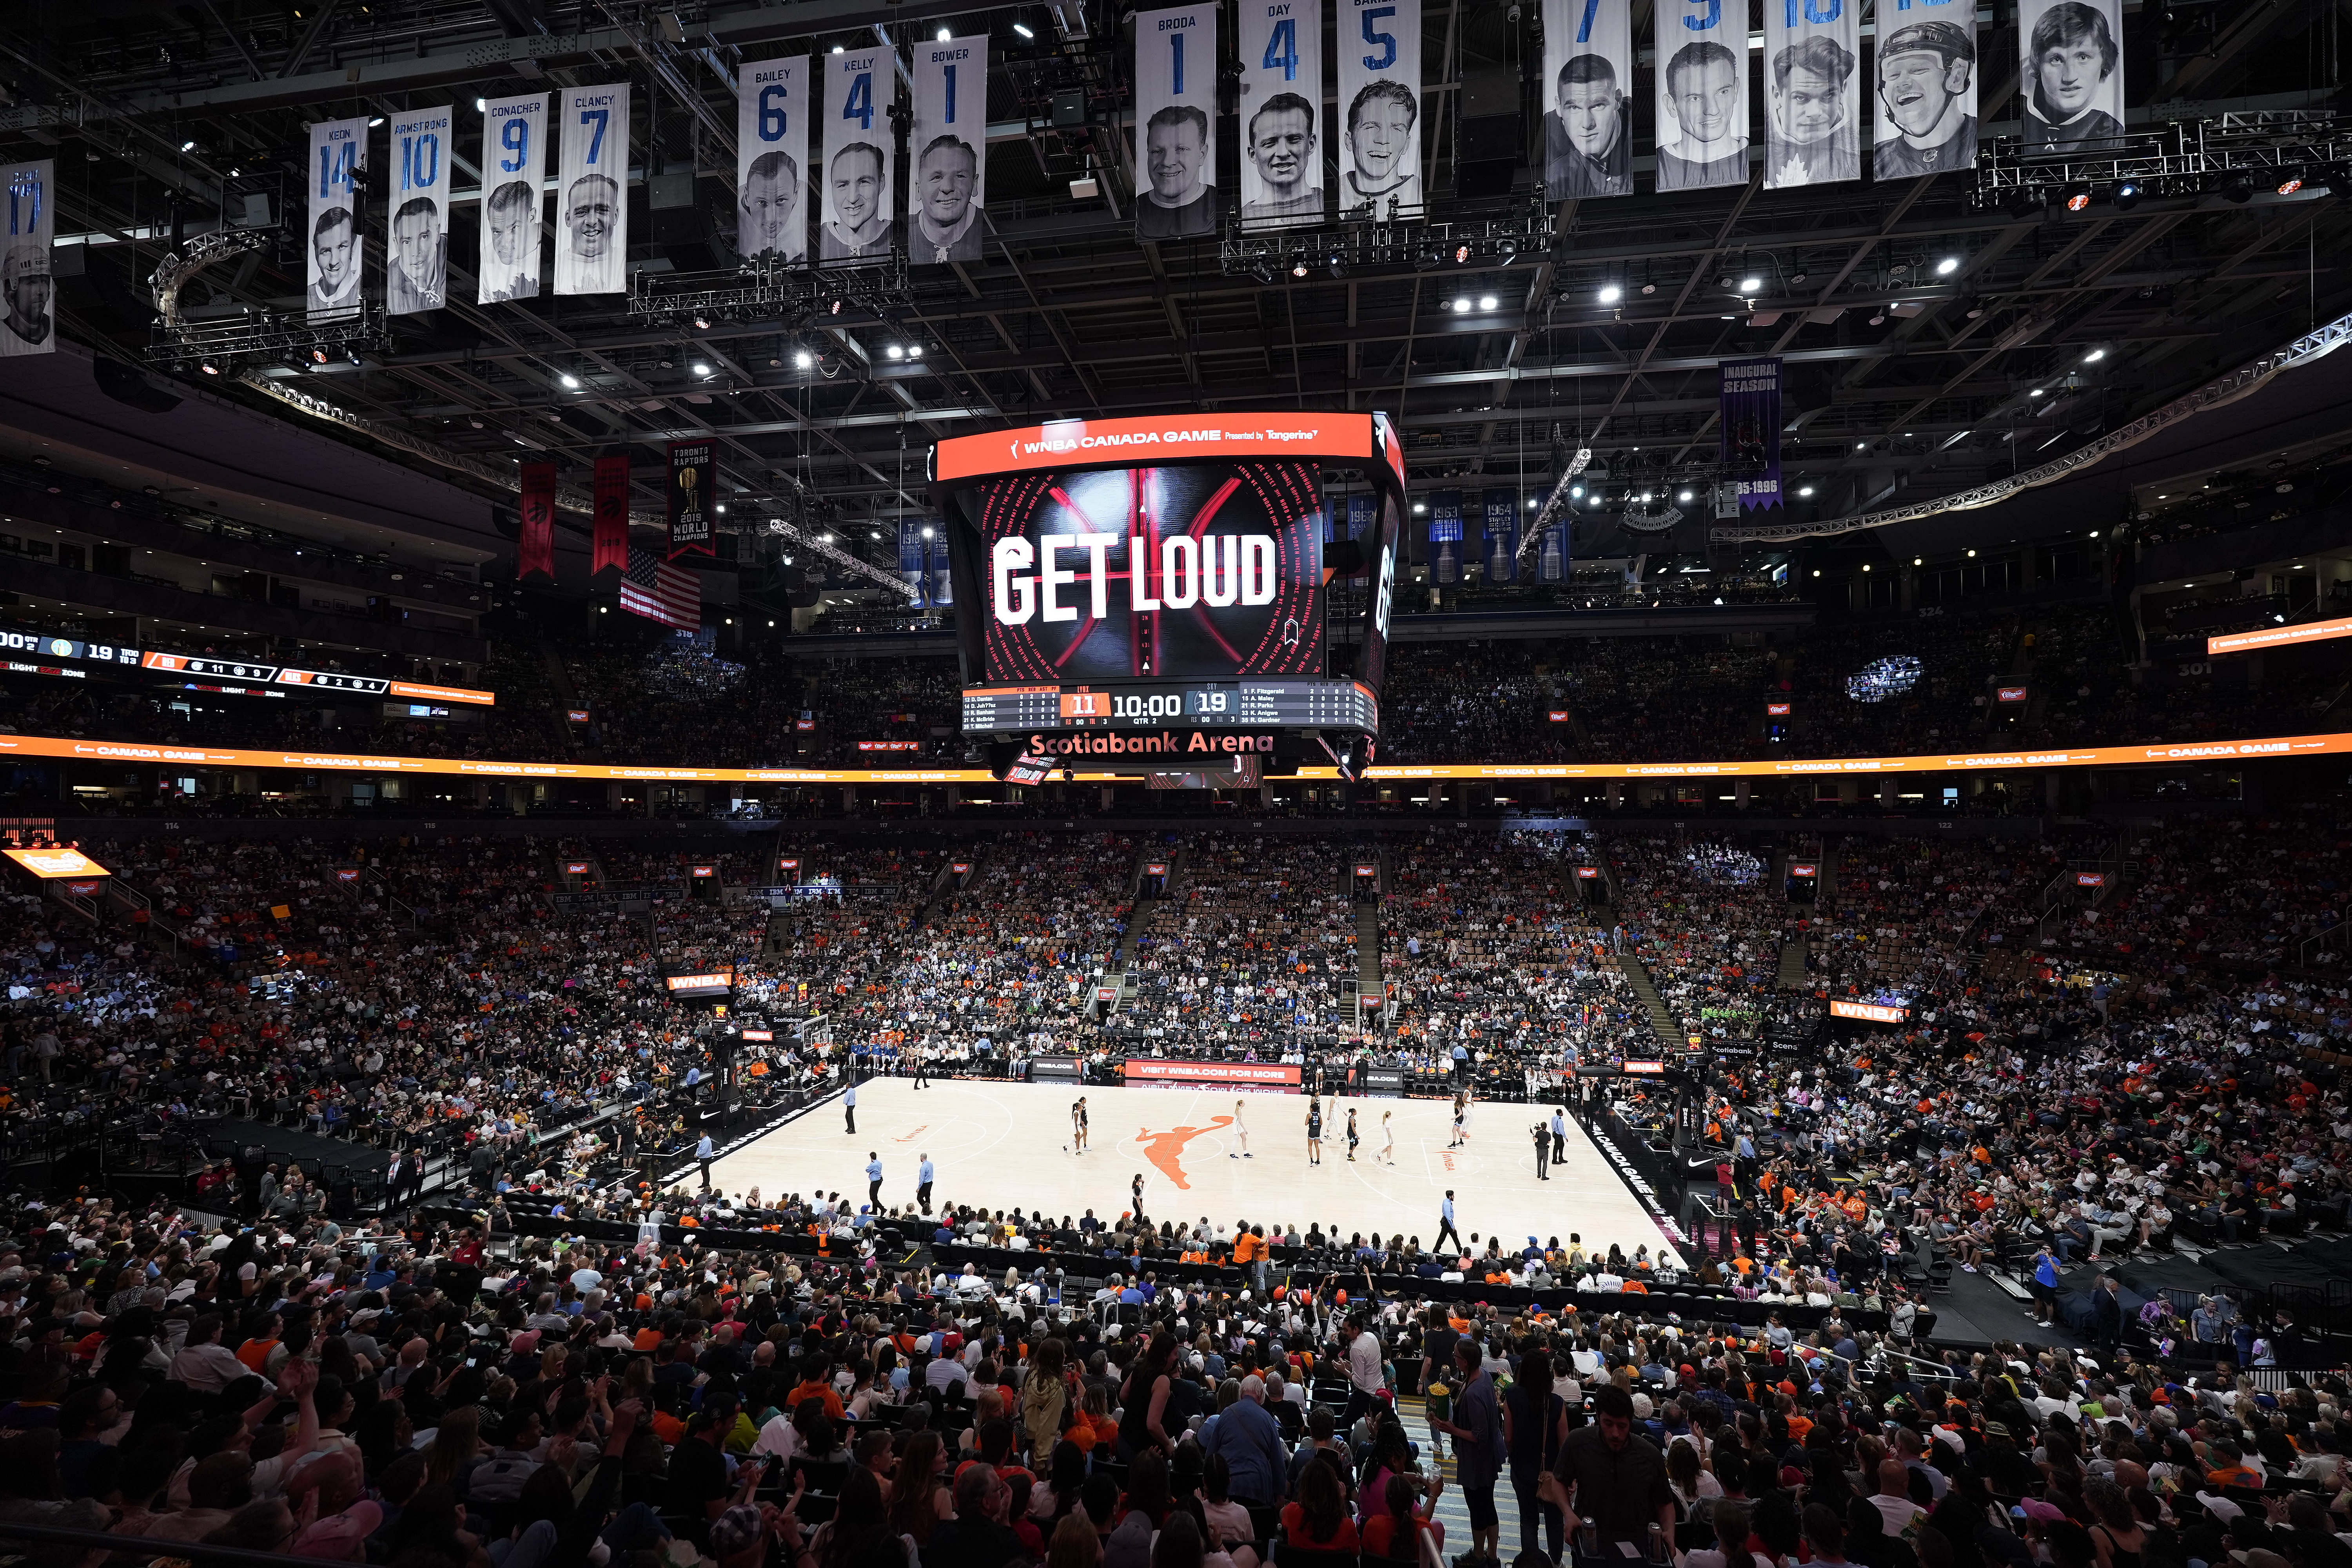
(1137, 705)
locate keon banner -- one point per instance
(859, 85)
(1283, 133)
(772, 121)
(1379, 109)
(337, 157)
(1176, 123)
(30, 323)
(1813, 92)
(947, 159)
(417, 259)
(592, 217)
(514, 164)
(1588, 87)
(1702, 93)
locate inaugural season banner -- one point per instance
(416, 268)
(772, 121)
(1176, 123)
(536, 549)
(1702, 93)
(1588, 84)
(1926, 86)
(514, 162)
(1380, 129)
(1813, 92)
(610, 540)
(1502, 536)
(30, 324)
(1445, 538)
(2071, 67)
(693, 472)
(338, 158)
(1283, 133)
(858, 204)
(1748, 414)
(949, 157)
(592, 228)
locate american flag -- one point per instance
(659, 591)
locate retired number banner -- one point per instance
(949, 157)
(416, 260)
(1176, 123)
(1927, 71)
(859, 85)
(1813, 93)
(1702, 122)
(30, 323)
(1283, 135)
(337, 156)
(772, 121)
(1379, 109)
(514, 161)
(1588, 83)
(592, 230)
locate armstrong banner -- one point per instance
(536, 549)
(1813, 93)
(591, 214)
(1588, 85)
(1501, 535)
(1381, 126)
(693, 481)
(514, 164)
(29, 326)
(1748, 415)
(611, 541)
(338, 158)
(1702, 123)
(416, 263)
(1176, 123)
(1283, 133)
(772, 121)
(947, 159)
(858, 204)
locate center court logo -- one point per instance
(1164, 1150)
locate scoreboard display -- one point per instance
(1280, 704)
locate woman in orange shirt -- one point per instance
(1319, 1521)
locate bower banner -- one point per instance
(611, 536)
(1588, 84)
(416, 264)
(1926, 87)
(338, 158)
(535, 550)
(1749, 413)
(2071, 67)
(858, 204)
(772, 121)
(591, 215)
(1813, 92)
(1702, 93)
(692, 472)
(514, 164)
(1502, 537)
(948, 160)
(1176, 123)
(30, 323)
(1283, 133)
(1445, 538)
(1379, 109)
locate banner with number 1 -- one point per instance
(1176, 123)
(591, 215)
(948, 160)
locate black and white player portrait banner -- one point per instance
(948, 160)
(1926, 86)
(338, 158)
(417, 259)
(859, 85)
(1176, 123)
(2073, 71)
(1813, 92)
(1283, 137)
(514, 161)
(1588, 80)
(592, 189)
(28, 309)
(1702, 123)
(1379, 107)
(771, 124)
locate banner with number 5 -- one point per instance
(514, 162)
(859, 85)
(1379, 109)
(771, 120)
(1588, 87)
(1282, 131)
(591, 215)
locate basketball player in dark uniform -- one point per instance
(1315, 1131)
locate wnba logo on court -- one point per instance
(1165, 1149)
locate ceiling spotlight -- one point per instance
(2239, 188)
(353, 355)
(1750, 285)
(2078, 196)
(701, 323)
(1461, 253)
(945, 34)
(1335, 265)
(376, 122)
(1576, 492)
(2290, 184)
(1649, 287)
(1487, 301)
(2035, 393)
(700, 368)
(2094, 356)
(803, 359)
(318, 356)
(2126, 196)
(1684, 496)
(1879, 320)
(837, 48)
(1611, 294)
(1807, 491)
(1428, 258)
(1506, 248)
(190, 144)
(1946, 267)
(571, 382)
(1298, 267)
(895, 351)
(1418, 507)
(914, 350)
(1023, 29)
(1462, 304)
(209, 368)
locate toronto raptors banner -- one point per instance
(1282, 132)
(1502, 536)
(591, 215)
(611, 536)
(692, 476)
(535, 552)
(1926, 85)
(858, 204)
(1748, 414)
(1379, 130)
(772, 121)
(337, 157)
(1813, 92)
(1445, 538)
(948, 158)
(30, 324)
(1588, 85)
(416, 260)
(1702, 48)
(1176, 123)
(514, 162)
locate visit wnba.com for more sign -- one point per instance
(1139, 1071)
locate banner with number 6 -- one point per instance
(591, 215)
(1379, 109)
(859, 204)
(514, 162)
(1284, 136)
(771, 120)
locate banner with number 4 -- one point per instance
(1283, 133)
(859, 204)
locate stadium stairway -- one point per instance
(1793, 966)
(1662, 1022)
(560, 679)
(942, 885)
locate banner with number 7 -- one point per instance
(592, 191)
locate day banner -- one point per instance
(1283, 133)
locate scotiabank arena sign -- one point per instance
(1138, 1070)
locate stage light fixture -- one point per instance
(318, 356)
(914, 350)
(804, 359)
(701, 323)
(2238, 188)
(1462, 304)
(1428, 258)
(1461, 253)
(1750, 285)
(1508, 246)
(894, 352)
(945, 34)
(1946, 267)
(2290, 184)
(1023, 29)
(1487, 301)
(1611, 294)
(2078, 196)
(1298, 267)
(571, 382)
(1335, 265)
(700, 368)
(2126, 197)
(209, 368)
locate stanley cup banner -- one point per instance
(1379, 130)
(1176, 123)
(2072, 71)
(1587, 103)
(772, 125)
(1702, 93)
(942, 593)
(1748, 414)
(1552, 555)
(337, 156)
(1362, 507)
(514, 162)
(1445, 538)
(1502, 537)
(693, 474)
(858, 204)
(30, 324)
(1813, 92)
(1283, 135)
(610, 540)
(416, 260)
(592, 191)
(1926, 85)
(913, 558)
(948, 158)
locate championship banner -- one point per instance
(514, 162)
(2071, 65)
(25, 290)
(772, 121)
(693, 473)
(947, 159)
(1927, 120)
(592, 232)
(611, 536)
(1176, 123)
(1702, 48)
(1588, 80)
(1380, 103)
(1445, 538)
(1748, 414)
(1362, 507)
(337, 155)
(1502, 536)
(1553, 561)
(858, 203)
(536, 549)
(1281, 110)
(913, 557)
(416, 263)
(942, 591)
(1813, 92)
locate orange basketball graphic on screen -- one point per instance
(1163, 1149)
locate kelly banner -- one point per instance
(950, 173)
(859, 87)
(1588, 78)
(772, 121)
(1175, 123)
(514, 162)
(611, 536)
(692, 473)
(1502, 536)
(536, 551)
(2072, 70)
(1379, 95)
(1702, 48)
(337, 157)
(1281, 110)
(591, 235)
(416, 269)
(30, 324)
(913, 557)
(1927, 120)
(1748, 414)
(1813, 93)
(1445, 537)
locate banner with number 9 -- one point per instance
(1284, 138)
(514, 166)
(1379, 130)
(772, 121)
(591, 214)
